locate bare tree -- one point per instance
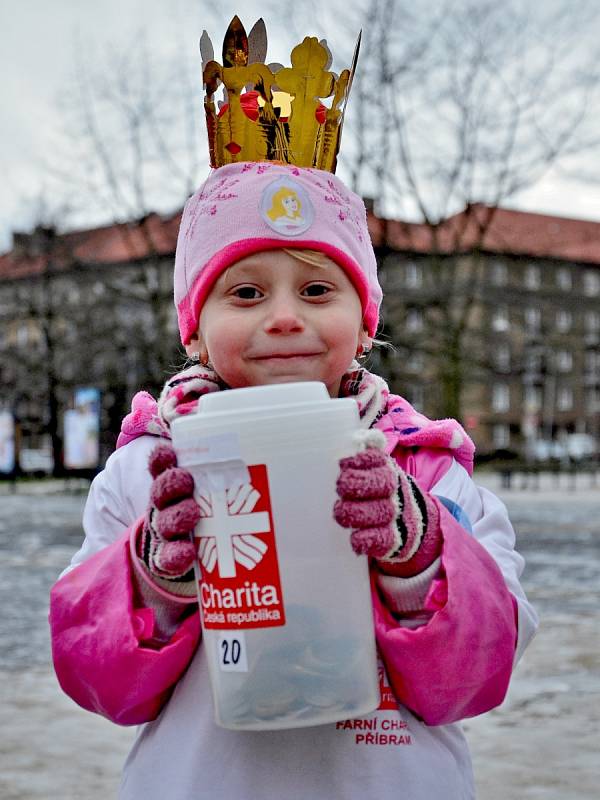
(457, 107)
(131, 138)
(132, 146)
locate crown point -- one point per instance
(235, 45)
(206, 48)
(257, 43)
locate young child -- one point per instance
(260, 302)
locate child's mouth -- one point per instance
(284, 356)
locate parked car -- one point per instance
(573, 447)
(580, 446)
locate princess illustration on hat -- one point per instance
(286, 208)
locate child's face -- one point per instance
(271, 318)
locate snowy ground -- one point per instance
(542, 743)
(50, 749)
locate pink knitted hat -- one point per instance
(247, 207)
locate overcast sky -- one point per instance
(38, 40)
(37, 44)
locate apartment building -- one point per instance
(494, 316)
(523, 293)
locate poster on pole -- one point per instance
(82, 429)
(7, 442)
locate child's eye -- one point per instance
(316, 290)
(247, 293)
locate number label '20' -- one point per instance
(232, 651)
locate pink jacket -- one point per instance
(457, 665)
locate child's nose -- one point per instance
(284, 317)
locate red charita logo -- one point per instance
(240, 585)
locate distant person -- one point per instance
(260, 304)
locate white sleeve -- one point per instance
(492, 528)
(118, 497)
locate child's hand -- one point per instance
(391, 518)
(165, 546)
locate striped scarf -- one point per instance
(183, 392)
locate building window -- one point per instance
(564, 320)
(22, 334)
(500, 320)
(533, 319)
(564, 361)
(69, 369)
(591, 283)
(413, 275)
(502, 357)
(414, 320)
(564, 279)
(501, 436)
(415, 362)
(592, 399)
(591, 321)
(500, 397)
(533, 398)
(533, 277)
(417, 397)
(499, 273)
(592, 361)
(533, 361)
(172, 319)
(564, 398)
(73, 295)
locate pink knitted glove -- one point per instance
(392, 520)
(164, 546)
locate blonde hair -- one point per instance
(313, 257)
(277, 209)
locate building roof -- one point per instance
(111, 244)
(495, 230)
(500, 230)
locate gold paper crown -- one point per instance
(272, 113)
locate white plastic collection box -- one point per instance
(285, 603)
